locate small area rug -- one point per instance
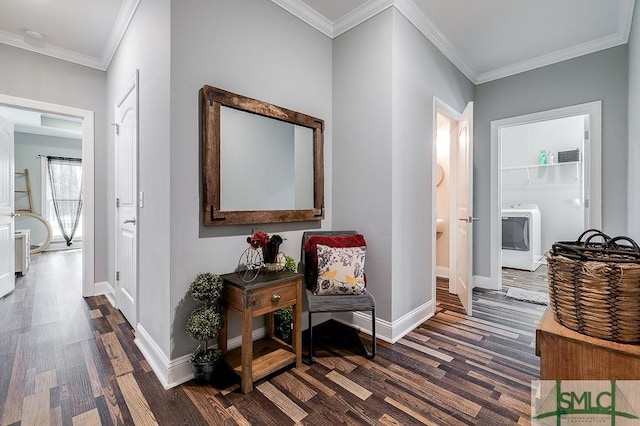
(531, 296)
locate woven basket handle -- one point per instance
(613, 242)
(567, 251)
(594, 234)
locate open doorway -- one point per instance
(83, 145)
(547, 188)
(452, 201)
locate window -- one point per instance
(48, 209)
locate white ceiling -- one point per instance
(486, 39)
(80, 31)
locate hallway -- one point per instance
(69, 360)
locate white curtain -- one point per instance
(65, 175)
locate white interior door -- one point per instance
(126, 150)
(7, 200)
(464, 209)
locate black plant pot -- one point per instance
(203, 371)
(284, 333)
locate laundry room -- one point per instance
(542, 188)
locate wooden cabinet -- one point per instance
(568, 355)
(23, 250)
(266, 294)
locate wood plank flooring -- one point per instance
(527, 280)
(65, 360)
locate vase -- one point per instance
(269, 253)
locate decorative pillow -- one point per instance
(340, 270)
(311, 258)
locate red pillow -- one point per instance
(311, 253)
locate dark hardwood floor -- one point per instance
(68, 360)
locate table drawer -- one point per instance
(273, 298)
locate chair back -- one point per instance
(308, 275)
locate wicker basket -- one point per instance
(594, 287)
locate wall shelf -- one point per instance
(538, 166)
(535, 166)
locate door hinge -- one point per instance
(117, 127)
(586, 134)
(118, 202)
(117, 275)
(586, 203)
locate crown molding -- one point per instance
(416, 16)
(51, 50)
(423, 24)
(305, 13)
(552, 58)
(123, 19)
(359, 15)
(625, 18)
(125, 14)
(302, 11)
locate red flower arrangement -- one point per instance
(269, 245)
(258, 239)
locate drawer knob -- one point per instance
(275, 297)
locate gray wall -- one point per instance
(253, 48)
(633, 180)
(146, 47)
(598, 76)
(27, 149)
(33, 76)
(420, 72)
(385, 76)
(362, 149)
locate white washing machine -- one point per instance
(521, 237)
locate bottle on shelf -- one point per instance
(543, 157)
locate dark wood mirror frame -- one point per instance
(212, 99)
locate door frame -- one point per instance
(440, 107)
(592, 172)
(88, 177)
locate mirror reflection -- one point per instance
(268, 163)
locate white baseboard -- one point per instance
(157, 360)
(442, 271)
(485, 282)
(102, 287)
(172, 373)
(389, 332)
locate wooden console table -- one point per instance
(267, 293)
(568, 355)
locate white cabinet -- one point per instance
(23, 250)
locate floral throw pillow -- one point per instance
(340, 270)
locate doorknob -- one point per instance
(469, 219)
(130, 221)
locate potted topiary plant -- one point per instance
(204, 324)
(283, 318)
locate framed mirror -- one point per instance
(260, 163)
